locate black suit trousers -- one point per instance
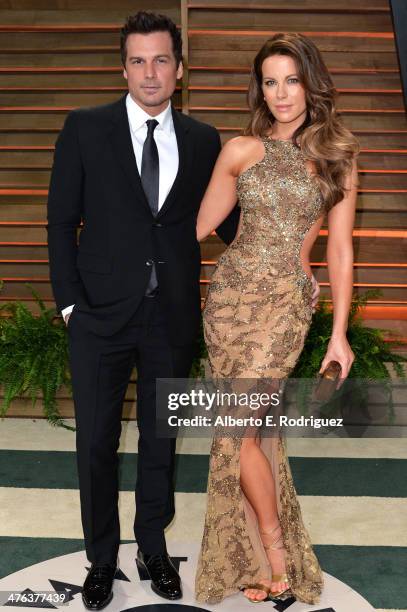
(100, 368)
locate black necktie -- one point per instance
(150, 173)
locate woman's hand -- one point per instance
(315, 292)
(339, 350)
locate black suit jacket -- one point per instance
(95, 180)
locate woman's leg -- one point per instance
(257, 482)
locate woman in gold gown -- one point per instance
(294, 164)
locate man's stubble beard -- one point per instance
(152, 103)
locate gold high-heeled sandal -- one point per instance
(272, 546)
(260, 587)
(275, 577)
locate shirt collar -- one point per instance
(138, 116)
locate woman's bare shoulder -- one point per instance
(241, 150)
(244, 144)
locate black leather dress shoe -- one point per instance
(97, 588)
(165, 580)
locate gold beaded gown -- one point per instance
(256, 317)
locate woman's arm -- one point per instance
(220, 196)
(341, 220)
(228, 229)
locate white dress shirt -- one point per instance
(166, 140)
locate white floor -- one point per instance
(130, 592)
(37, 434)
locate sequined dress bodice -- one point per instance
(280, 201)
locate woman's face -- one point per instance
(283, 92)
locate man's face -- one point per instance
(151, 70)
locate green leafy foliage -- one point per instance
(33, 356)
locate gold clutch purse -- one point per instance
(327, 381)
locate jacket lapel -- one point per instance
(120, 138)
(185, 157)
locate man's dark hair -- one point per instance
(145, 23)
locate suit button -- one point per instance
(157, 225)
(149, 262)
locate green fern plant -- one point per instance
(33, 356)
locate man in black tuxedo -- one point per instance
(134, 172)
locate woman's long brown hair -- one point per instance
(322, 136)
